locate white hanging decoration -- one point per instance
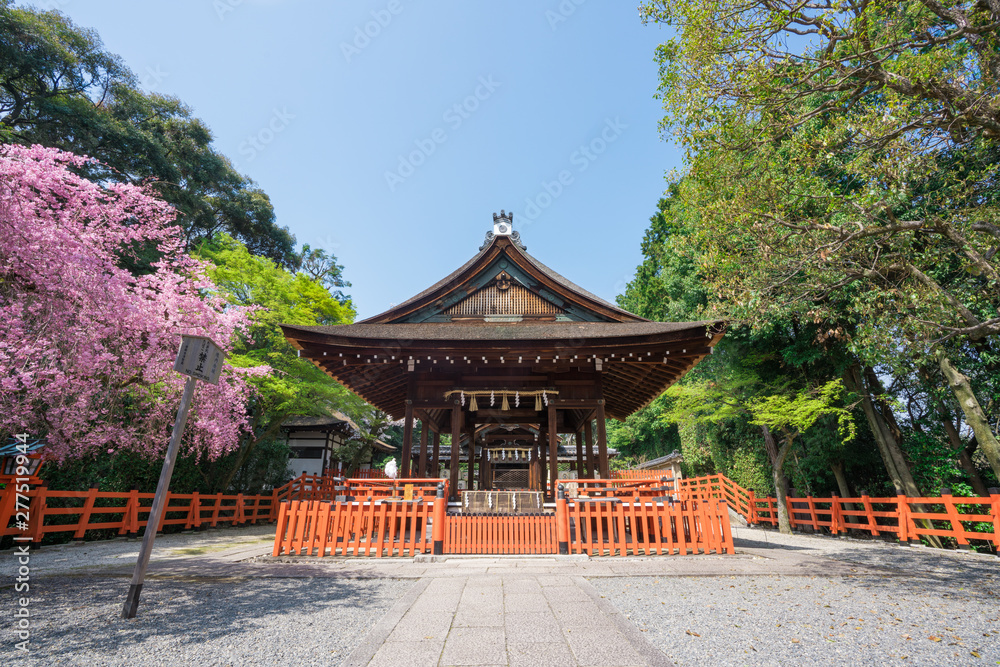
(545, 397)
(517, 456)
(492, 401)
(517, 399)
(489, 500)
(513, 501)
(466, 500)
(463, 399)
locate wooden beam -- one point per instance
(553, 450)
(407, 441)
(588, 438)
(472, 461)
(602, 442)
(578, 436)
(456, 436)
(436, 465)
(422, 467)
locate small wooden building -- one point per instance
(669, 464)
(314, 442)
(504, 355)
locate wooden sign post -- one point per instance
(200, 359)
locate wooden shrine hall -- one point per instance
(505, 355)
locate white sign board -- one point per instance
(200, 358)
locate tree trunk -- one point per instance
(974, 415)
(245, 451)
(964, 454)
(845, 490)
(837, 467)
(964, 459)
(777, 455)
(888, 445)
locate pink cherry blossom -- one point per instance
(87, 348)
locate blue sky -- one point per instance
(389, 131)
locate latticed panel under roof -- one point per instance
(504, 298)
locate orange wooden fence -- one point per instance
(604, 516)
(77, 512)
(367, 528)
(610, 526)
(964, 520)
(597, 526)
(640, 474)
(500, 534)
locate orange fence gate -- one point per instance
(500, 534)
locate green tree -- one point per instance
(842, 162)
(297, 387)
(59, 87)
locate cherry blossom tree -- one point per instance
(87, 346)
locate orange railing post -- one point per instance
(440, 516)
(956, 522)
(903, 519)
(36, 516)
(88, 507)
(562, 521)
(995, 511)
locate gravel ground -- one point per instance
(77, 621)
(930, 608)
(66, 557)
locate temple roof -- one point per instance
(504, 313)
(503, 252)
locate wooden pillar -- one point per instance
(422, 468)
(588, 440)
(553, 451)
(602, 441)
(456, 437)
(543, 461)
(580, 472)
(436, 465)
(472, 459)
(484, 482)
(404, 469)
(534, 468)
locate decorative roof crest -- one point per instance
(503, 225)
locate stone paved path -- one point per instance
(508, 619)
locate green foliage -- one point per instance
(643, 435)
(621, 463)
(297, 387)
(695, 450)
(794, 414)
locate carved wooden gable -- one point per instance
(503, 296)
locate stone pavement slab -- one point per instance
(507, 620)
